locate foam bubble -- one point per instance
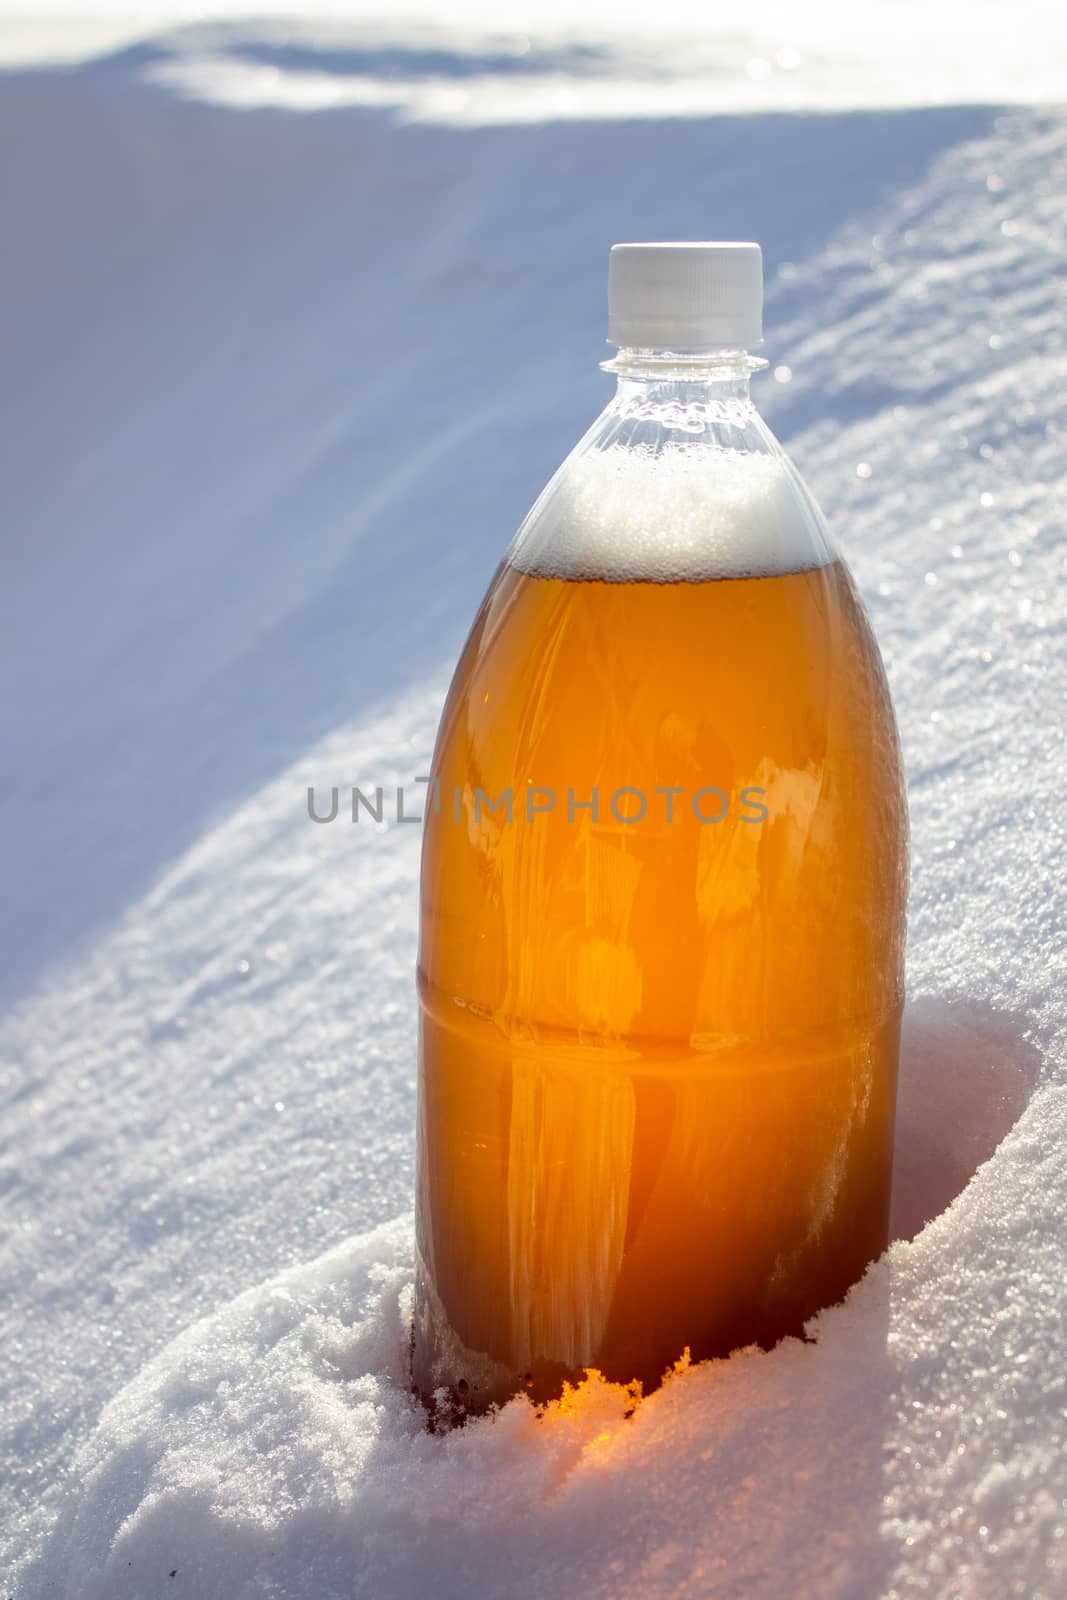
(630, 514)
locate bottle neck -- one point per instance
(687, 377)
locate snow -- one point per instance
(480, 62)
(278, 390)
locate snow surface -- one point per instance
(277, 391)
(480, 61)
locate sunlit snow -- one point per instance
(278, 389)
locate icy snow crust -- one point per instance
(684, 514)
(246, 528)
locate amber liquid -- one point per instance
(657, 1057)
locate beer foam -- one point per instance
(680, 515)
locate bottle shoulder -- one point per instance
(673, 492)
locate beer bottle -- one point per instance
(663, 893)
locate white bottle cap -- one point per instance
(685, 296)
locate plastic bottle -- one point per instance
(663, 894)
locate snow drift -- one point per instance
(278, 389)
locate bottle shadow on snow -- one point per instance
(966, 1074)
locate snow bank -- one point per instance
(275, 1448)
(245, 529)
(534, 60)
